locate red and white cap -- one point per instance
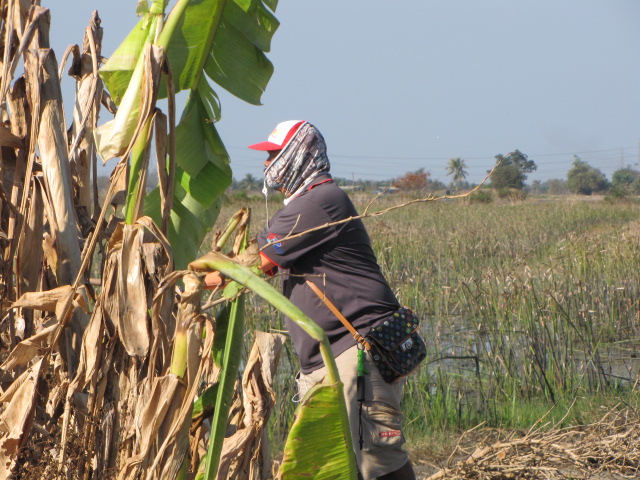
(280, 136)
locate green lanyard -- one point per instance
(360, 390)
(361, 371)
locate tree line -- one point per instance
(509, 178)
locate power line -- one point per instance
(533, 155)
(550, 165)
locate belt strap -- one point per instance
(359, 338)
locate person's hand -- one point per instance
(213, 280)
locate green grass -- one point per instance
(526, 308)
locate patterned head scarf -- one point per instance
(299, 162)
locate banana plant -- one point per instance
(199, 42)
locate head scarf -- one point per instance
(299, 162)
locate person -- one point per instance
(338, 259)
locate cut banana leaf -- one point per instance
(317, 446)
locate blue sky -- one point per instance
(398, 86)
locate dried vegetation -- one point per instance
(89, 389)
(604, 450)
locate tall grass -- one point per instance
(524, 307)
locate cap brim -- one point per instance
(266, 146)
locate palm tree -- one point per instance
(249, 182)
(456, 169)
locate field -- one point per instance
(530, 310)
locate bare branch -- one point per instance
(429, 198)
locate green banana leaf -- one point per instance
(205, 401)
(226, 40)
(205, 41)
(202, 34)
(227, 353)
(316, 446)
(227, 48)
(198, 188)
(116, 73)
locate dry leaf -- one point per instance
(16, 417)
(245, 454)
(25, 351)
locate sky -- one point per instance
(399, 86)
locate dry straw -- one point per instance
(607, 449)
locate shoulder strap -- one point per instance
(359, 338)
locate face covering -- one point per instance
(299, 162)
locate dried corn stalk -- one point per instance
(100, 383)
(246, 452)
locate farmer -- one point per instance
(339, 260)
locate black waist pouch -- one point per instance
(396, 346)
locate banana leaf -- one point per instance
(316, 446)
(205, 41)
(227, 349)
(223, 42)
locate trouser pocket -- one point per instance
(381, 426)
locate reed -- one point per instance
(523, 304)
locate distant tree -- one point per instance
(584, 179)
(413, 181)
(554, 186)
(466, 185)
(626, 180)
(483, 195)
(536, 187)
(249, 182)
(456, 170)
(511, 173)
(433, 185)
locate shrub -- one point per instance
(512, 194)
(482, 196)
